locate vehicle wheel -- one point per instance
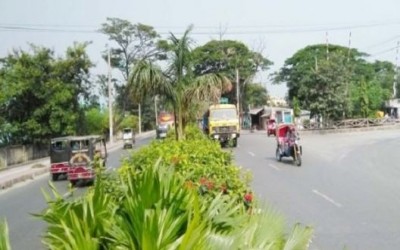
(297, 160)
(234, 143)
(54, 177)
(278, 155)
(73, 183)
(91, 182)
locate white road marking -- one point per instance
(327, 198)
(274, 167)
(252, 154)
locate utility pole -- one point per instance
(238, 92)
(396, 71)
(327, 47)
(348, 52)
(110, 97)
(140, 120)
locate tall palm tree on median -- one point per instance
(177, 83)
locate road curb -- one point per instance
(348, 130)
(24, 177)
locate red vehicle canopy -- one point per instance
(282, 129)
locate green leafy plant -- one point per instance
(78, 224)
(198, 160)
(4, 240)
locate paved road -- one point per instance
(348, 187)
(18, 202)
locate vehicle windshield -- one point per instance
(80, 145)
(127, 130)
(59, 145)
(223, 114)
(163, 126)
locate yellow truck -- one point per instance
(221, 122)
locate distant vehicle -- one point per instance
(165, 123)
(271, 127)
(288, 143)
(128, 136)
(221, 122)
(162, 130)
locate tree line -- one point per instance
(337, 82)
(43, 95)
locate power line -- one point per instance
(31, 29)
(234, 30)
(319, 26)
(383, 51)
(383, 42)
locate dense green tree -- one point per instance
(255, 95)
(322, 81)
(129, 121)
(133, 43)
(296, 107)
(178, 83)
(96, 121)
(42, 95)
(224, 57)
(343, 66)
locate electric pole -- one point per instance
(327, 47)
(238, 93)
(395, 71)
(110, 97)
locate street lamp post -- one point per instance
(238, 94)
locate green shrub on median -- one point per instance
(199, 161)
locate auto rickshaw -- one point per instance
(287, 143)
(85, 150)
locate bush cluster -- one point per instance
(199, 161)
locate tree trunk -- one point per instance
(180, 123)
(175, 122)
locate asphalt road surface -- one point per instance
(347, 189)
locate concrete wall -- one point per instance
(14, 155)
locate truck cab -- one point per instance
(222, 123)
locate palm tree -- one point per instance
(177, 83)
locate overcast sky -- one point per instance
(279, 27)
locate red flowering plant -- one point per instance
(205, 185)
(248, 199)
